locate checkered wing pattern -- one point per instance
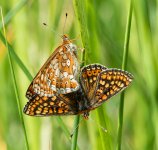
(104, 85)
(58, 104)
(89, 77)
(97, 85)
(59, 72)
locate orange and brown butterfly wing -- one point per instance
(110, 82)
(56, 105)
(99, 83)
(88, 78)
(58, 73)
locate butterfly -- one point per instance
(58, 74)
(97, 85)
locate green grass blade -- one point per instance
(15, 86)
(75, 135)
(16, 57)
(66, 131)
(60, 121)
(13, 12)
(124, 64)
(147, 39)
(105, 136)
(80, 12)
(79, 9)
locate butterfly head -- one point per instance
(65, 39)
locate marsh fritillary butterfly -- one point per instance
(97, 85)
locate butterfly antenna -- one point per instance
(65, 22)
(52, 30)
(98, 125)
(76, 38)
(72, 133)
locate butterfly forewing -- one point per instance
(89, 76)
(110, 82)
(59, 72)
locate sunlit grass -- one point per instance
(14, 81)
(124, 67)
(101, 25)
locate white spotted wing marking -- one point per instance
(59, 72)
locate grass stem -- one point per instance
(15, 85)
(79, 9)
(124, 65)
(75, 135)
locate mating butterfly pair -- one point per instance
(55, 90)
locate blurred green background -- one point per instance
(105, 23)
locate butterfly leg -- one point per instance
(86, 115)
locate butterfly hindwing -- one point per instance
(55, 105)
(110, 82)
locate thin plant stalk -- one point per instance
(75, 135)
(16, 58)
(13, 12)
(147, 35)
(15, 85)
(80, 12)
(124, 65)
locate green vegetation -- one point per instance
(102, 29)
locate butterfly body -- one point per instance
(97, 85)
